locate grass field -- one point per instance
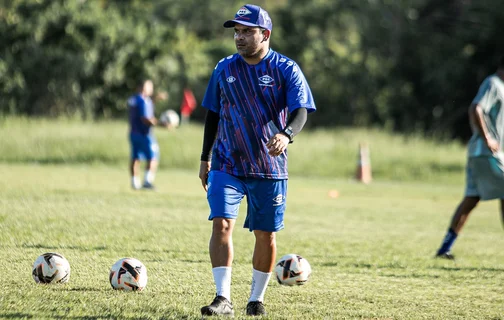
(370, 249)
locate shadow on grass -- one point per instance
(48, 247)
(18, 315)
(328, 264)
(114, 316)
(195, 260)
(84, 289)
(363, 265)
(443, 167)
(454, 268)
(411, 276)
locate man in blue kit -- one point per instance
(257, 101)
(143, 143)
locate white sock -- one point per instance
(149, 176)
(259, 284)
(135, 182)
(222, 278)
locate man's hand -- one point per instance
(492, 144)
(161, 96)
(277, 144)
(151, 122)
(203, 173)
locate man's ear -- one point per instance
(266, 35)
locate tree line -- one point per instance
(405, 65)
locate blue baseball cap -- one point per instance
(252, 16)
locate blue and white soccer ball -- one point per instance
(128, 274)
(51, 268)
(292, 270)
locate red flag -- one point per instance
(188, 103)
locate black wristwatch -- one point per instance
(288, 132)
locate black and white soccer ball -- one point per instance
(128, 274)
(170, 118)
(292, 270)
(51, 268)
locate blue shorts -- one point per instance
(144, 147)
(265, 200)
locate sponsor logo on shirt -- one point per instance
(230, 79)
(266, 81)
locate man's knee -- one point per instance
(265, 236)
(470, 203)
(222, 227)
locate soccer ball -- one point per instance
(128, 274)
(51, 268)
(292, 269)
(170, 118)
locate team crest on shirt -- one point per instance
(230, 79)
(278, 200)
(132, 102)
(243, 12)
(266, 81)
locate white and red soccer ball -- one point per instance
(51, 267)
(292, 270)
(128, 274)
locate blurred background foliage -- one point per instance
(411, 66)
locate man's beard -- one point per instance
(250, 53)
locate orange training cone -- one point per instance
(363, 173)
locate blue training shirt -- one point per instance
(140, 107)
(253, 102)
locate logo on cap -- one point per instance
(243, 12)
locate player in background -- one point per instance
(249, 98)
(142, 140)
(485, 164)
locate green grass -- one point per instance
(323, 152)
(370, 249)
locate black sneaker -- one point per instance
(255, 308)
(219, 307)
(446, 256)
(148, 186)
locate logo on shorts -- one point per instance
(278, 200)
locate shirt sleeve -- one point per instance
(298, 91)
(149, 108)
(211, 101)
(483, 94)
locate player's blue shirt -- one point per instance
(140, 107)
(253, 102)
